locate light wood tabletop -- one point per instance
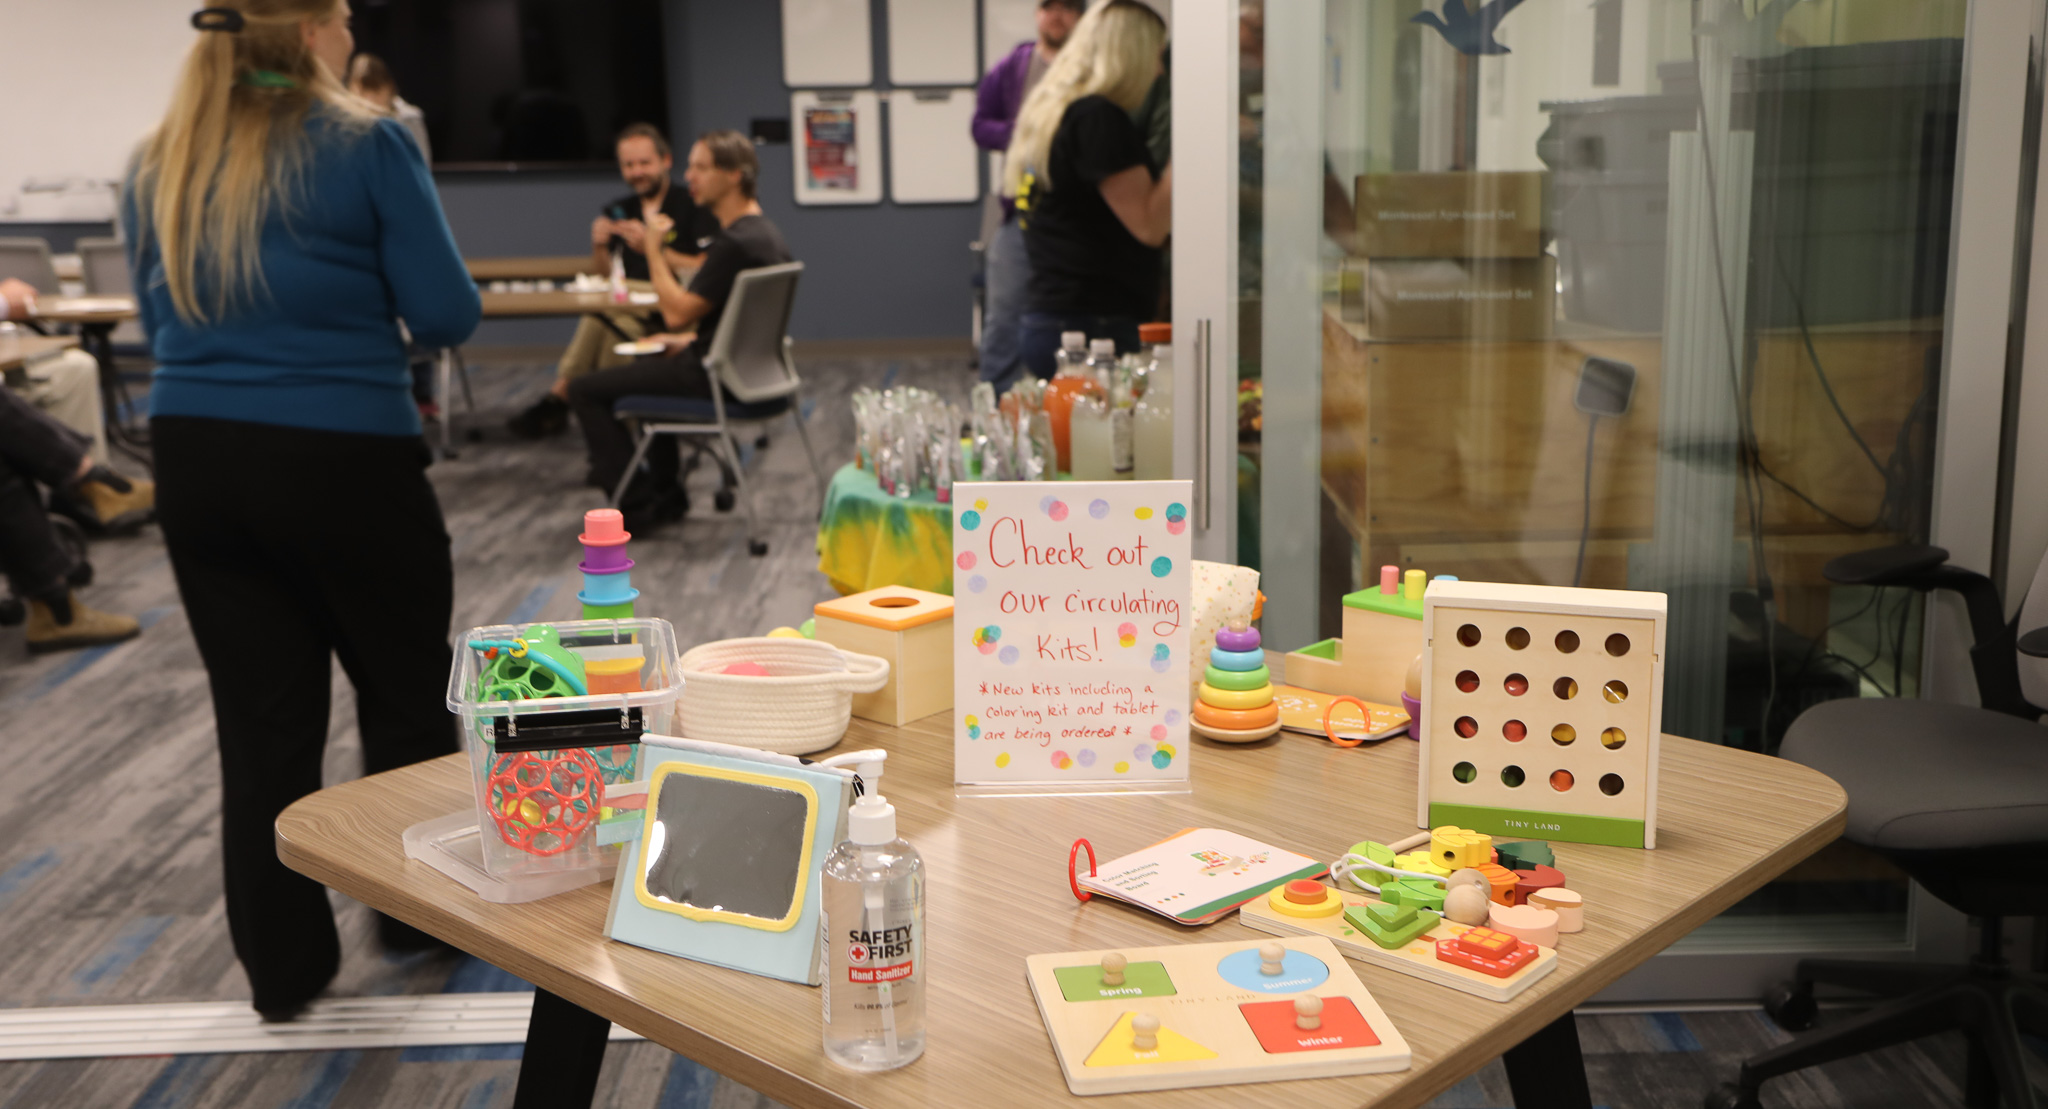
(1730, 821)
(551, 267)
(556, 303)
(33, 348)
(86, 310)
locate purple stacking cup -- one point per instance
(605, 560)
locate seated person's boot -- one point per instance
(104, 502)
(59, 622)
(548, 416)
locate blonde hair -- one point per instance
(229, 151)
(1113, 52)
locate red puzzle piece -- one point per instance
(1538, 877)
(1273, 1023)
(1486, 951)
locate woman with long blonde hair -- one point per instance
(1095, 211)
(279, 231)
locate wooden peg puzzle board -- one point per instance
(1590, 667)
(1213, 1032)
(1417, 957)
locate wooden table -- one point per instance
(551, 267)
(1730, 821)
(34, 348)
(96, 317)
(499, 306)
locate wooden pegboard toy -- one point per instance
(1542, 711)
(1210, 1014)
(1432, 953)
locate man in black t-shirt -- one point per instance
(722, 172)
(620, 232)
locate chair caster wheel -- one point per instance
(757, 547)
(1791, 1007)
(1728, 1095)
(722, 500)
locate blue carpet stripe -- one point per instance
(473, 975)
(1675, 1034)
(688, 1086)
(463, 1053)
(889, 376)
(481, 1095)
(326, 1081)
(83, 660)
(24, 873)
(119, 955)
(531, 606)
(174, 1086)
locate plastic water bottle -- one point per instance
(1152, 419)
(871, 939)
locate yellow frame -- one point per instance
(803, 874)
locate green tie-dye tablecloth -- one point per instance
(868, 539)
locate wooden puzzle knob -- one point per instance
(1272, 958)
(1144, 1032)
(1308, 1013)
(1113, 965)
(1466, 904)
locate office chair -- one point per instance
(749, 360)
(103, 263)
(29, 260)
(1957, 797)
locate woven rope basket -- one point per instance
(800, 707)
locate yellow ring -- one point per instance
(518, 648)
(1331, 904)
(1235, 699)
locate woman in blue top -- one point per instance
(279, 232)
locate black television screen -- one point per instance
(505, 83)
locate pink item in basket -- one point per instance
(604, 527)
(747, 669)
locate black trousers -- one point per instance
(33, 447)
(291, 547)
(611, 444)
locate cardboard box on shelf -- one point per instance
(1460, 298)
(1450, 215)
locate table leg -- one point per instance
(444, 367)
(1546, 1070)
(564, 1049)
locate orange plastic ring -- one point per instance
(1236, 720)
(1072, 852)
(1332, 707)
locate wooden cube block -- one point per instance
(910, 628)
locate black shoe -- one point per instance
(643, 512)
(548, 416)
(283, 1014)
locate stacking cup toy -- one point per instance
(608, 592)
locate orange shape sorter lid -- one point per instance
(891, 608)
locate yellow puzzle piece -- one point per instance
(1455, 848)
(1115, 1049)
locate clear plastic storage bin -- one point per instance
(551, 714)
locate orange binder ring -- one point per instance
(1364, 712)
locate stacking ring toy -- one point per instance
(1230, 639)
(1236, 720)
(1238, 681)
(1234, 699)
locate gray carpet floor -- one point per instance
(109, 874)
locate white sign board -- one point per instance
(1070, 611)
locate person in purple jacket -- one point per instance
(1007, 270)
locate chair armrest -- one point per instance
(1907, 564)
(2035, 643)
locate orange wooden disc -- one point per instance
(1237, 720)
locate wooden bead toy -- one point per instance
(1501, 882)
(1524, 854)
(1488, 951)
(1538, 926)
(1569, 907)
(1532, 879)
(1466, 905)
(1234, 702)
(1455, 848)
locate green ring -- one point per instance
(1237, 681)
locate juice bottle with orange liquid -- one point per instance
(1074, 377)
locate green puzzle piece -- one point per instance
(1525, 854)
(1140, 980)
(1391, 926)
(1377, 852)
(1418, 892)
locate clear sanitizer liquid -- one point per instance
(871, 940)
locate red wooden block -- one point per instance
(1486, 951)
(1538, 877)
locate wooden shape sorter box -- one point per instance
(910, 628)
(1221, 1019)
(1417, 957)
(1542, 708)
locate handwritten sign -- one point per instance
(1070, 606)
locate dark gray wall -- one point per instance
(871, 271)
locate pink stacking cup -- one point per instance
(604, 527)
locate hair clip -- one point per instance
(218, 19)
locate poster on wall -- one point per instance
(838, 147)
(1070, 612)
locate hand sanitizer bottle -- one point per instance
(871, 937)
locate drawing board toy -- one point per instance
(727, 862)
(1210, 1014)
(1543, 708)
(1424, 944)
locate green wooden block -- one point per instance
(1525, 854)
(1413, 891)
(1140, 980)
(1391, 926)
(1377, 852)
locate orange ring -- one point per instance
(1332, 707)
(1236, 720)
